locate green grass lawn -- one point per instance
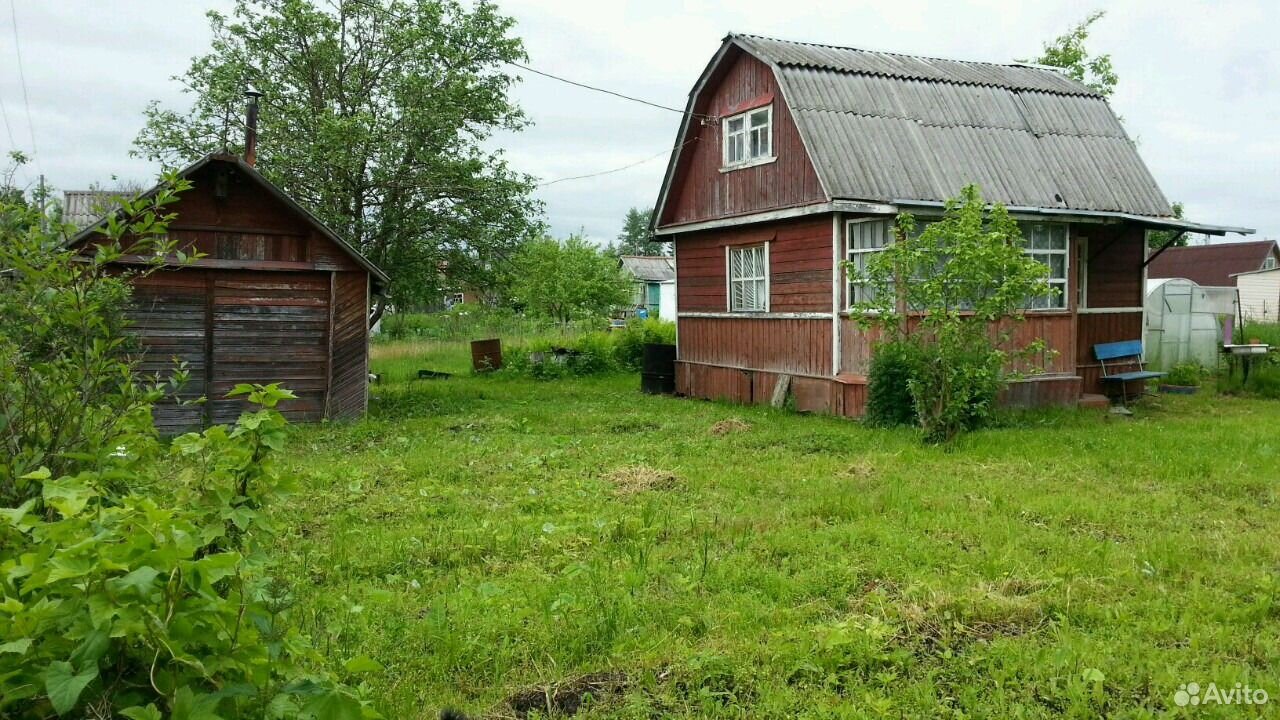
(501, 544)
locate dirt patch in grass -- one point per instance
(566, 698)
(725, 427)
(639, 478)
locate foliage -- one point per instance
(1187, 374)
(953, 292)
(1068, 51)
(475, 322)
(376, 115)
(803, 566)
(147, 607)
(1156, 239)
(889, 401)
(588, 353)
(630, 340)
(635, 236)
(67, 390)
(568, 280)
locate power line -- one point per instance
(603, 90)
(22, 75)
(4, 115)
(618, 169)
(388, 14)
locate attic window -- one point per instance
(748, 138)
(1269, 263)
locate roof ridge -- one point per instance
(1029, 66)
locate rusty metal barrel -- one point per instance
(486, 355)
(658, 369)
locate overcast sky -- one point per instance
(1199, 84)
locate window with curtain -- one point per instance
(749, 278)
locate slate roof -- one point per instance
(649, 268)
(1212, 265)
(887, 127)
(83, 208)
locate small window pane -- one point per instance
(759, 118)
(735, 125)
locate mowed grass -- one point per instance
(511, 547)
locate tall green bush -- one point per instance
(68, 395)
(952, 293)
(149, 605)
(889, 400)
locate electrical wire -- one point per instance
(617, 169)
(22, 75)
(4, 115)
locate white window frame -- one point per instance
(730, 280)
(1062, 283)
(850, 251)
(744, 136)
(1269, 263)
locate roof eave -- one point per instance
(1155, 223)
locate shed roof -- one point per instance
(380, 277)
(1212, 264)
(888, 127)
(83, 208)
(650, 268)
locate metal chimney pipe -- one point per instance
(251, 126)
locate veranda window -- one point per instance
(864, 239)
(1047, 245)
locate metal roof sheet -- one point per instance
(882, 126)
(651, 268)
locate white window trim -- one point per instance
(725, 165)
(1270, 263)
(728, 278)
(848, 251)
(1065, 252)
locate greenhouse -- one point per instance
(1187, 322)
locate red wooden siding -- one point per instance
(792, 346)
(699, 191)
(1056, 329)
(1097, 328)
(799, 265)
(1115, 265)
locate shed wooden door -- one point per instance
(269, 327)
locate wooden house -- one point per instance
(275, 297)
(793, 158)
(1216, 264)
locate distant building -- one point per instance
(83, 208)
(1215, 265)
(654, 282)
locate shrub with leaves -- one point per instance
(638, 333)
(150, 605)
(889, 401)
(68, 395)
(951, 293)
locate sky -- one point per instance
(1199, 85)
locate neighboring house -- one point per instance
(654, 280)
(793, 158)
(83, 208)
(1259, 294)
(1215, 265)
(277, 297)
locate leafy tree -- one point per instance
(1157, 238)
(67, 395)
(945, 300)
(374, 116)
(634, 238)
(568, 280)
(1068, 51)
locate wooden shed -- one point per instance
(276, 297)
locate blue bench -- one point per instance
(1123, 354)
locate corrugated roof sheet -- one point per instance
(651, 268)
(83, 208)
(889, 127)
